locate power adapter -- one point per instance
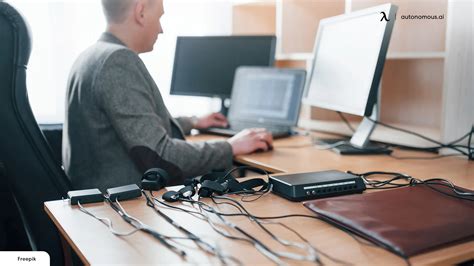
(124, 192)
(85, 196)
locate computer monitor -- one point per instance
(205, 66)
(267, 96)
(349, 57)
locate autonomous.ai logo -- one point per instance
(384, 17)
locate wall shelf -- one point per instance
(380, 133)
(416, 55)
(390, 56)
(294, 56)
(427, 78)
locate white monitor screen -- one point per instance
(346, 54)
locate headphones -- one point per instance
(189, 188)
(155, 179)
(219, 183)
(185, 193)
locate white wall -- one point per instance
(61, 29)
(192, 18)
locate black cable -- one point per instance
(449, 145)
(206, 218)
(411, 181)
(346, 121)
(227, 203)
(161, 238)
(244, 167)
(374, 183)
(107, 222)
(257, 195)
(386, 184)
(356, 238)
(238, 214)
(199, 241)
(180, 209)
(448, 184)
(256, 218)
(406, 131)
(287, 216)
(441, 145)
(471, 150)
(241, 208)
(265, 250)
(150, 204)
(246, 191)
(411, 148)
(461, 138)
(424, 158)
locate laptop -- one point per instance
(264, 97)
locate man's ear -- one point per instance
(139, 12)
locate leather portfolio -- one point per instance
(407, 221)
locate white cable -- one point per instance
(107, 222)
(331, 146)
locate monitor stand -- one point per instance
(359, 144)
(225, 104)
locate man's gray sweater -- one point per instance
(117, 125)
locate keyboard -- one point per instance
(277, 132)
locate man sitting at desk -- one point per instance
(117, 125)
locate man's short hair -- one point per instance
(116, 10)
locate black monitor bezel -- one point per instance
(204, 94)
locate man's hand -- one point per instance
(212, 120)
(250, 140)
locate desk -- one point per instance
(96, 245)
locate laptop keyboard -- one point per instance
(277, 132)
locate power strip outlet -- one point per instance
(85, 196)
(124, 192)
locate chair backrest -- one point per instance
(32, 173)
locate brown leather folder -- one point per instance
(407, 221)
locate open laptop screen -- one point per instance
(269, 96)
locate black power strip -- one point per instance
(94, 195)
(85, 196)
(124, 192)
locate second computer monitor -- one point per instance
(349, 56)
(205, 66)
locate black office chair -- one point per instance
(34, 176)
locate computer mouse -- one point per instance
(262, 150)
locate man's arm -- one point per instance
(127, 99)
(211, 120)
(186, 124)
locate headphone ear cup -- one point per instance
(164, 175)
(153, 173)
(171, 196)
(154, 179)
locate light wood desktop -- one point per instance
(96, 245)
